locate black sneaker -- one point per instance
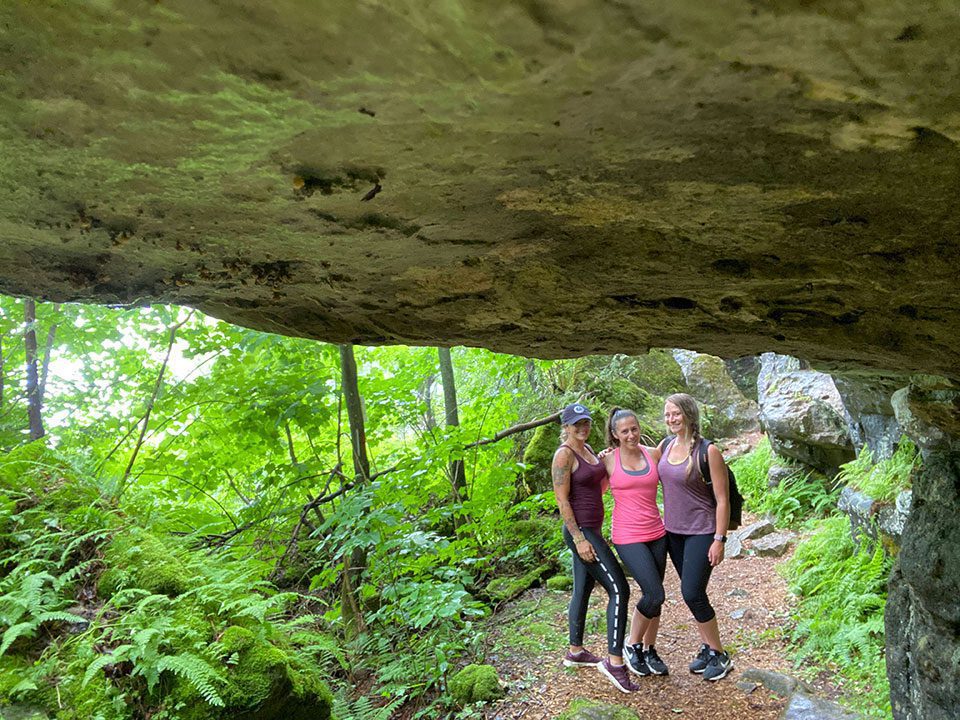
(618, 675)
(636, 660)
(653, 662)
(718, 666)
(699, 663)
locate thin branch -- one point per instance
(515, 429)
(195, 487)
(150, 403)
(290, 448)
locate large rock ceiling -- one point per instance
(557, 177)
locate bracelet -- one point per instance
(577, 539)
(720, 538)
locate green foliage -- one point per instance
(839, 615)
(884, 480)
(795, 499)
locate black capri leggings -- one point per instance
(688, 553)
(606, 571)
(647, 562)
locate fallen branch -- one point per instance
(514, 430)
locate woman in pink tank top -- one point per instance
(638, 534)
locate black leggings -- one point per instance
(647, 562)
(606, 571)
(688, 553)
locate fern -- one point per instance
(197, 671)
(363, 709)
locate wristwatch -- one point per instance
(720, 538)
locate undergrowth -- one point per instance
(798, 497)
(839, 615)
(884, 480)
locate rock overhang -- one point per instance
(555, 179)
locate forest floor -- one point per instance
(527, 642)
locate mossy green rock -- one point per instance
(581, 709)
(475, 683)
(264, 681)
(136, 557)
(537, 459)
(560, 582)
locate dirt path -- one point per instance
(528, 646)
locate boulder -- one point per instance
(872, 421)
(728, 411)
(778, 683)
(582, 709)
(874, 520)
(476, 683)
(744, 371)
(802, 414)
(754, 530)
(807, 707)
(779, 473)
(773, 545)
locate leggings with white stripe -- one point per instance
(606, 571)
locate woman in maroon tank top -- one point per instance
(579, 480)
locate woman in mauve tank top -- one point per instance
(579, 480)
(696, 515)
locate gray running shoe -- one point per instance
(635, 659)
(699, 663)
(618, 675)
(718, 666)
(653, 662)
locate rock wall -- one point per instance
(923, 604)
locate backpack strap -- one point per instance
(703, 460)
(662, 445)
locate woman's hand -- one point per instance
(603, 453)
(715, 553)
(586, 552)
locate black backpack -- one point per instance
(736, 499)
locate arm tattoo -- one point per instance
(561, 471)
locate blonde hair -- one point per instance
(687, 406)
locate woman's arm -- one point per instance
(561, 469)
(721, 491)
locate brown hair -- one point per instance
(616, 415)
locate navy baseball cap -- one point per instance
(571, 413)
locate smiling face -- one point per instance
(580, 429)
(627, 431)
(674, 418)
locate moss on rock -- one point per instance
(581, 709)
(475, 683)
(560, 582)
(137, 558)
(265, 680)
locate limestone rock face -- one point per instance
(730, 413)
(873, 422)
(549, 179)
(923, 614)
(802, 413)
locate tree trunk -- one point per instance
(425, 393)
(47, 352)
(356, 563)
(456, 471)
(34, 399)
